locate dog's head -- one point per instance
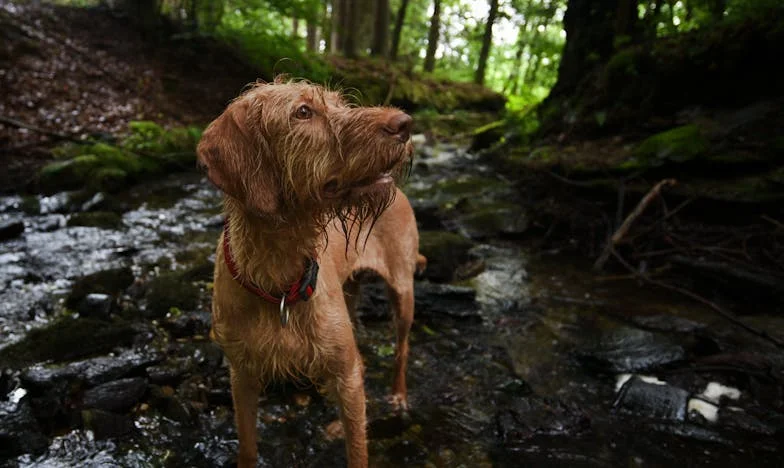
(286, 148)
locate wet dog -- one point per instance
(310, 199)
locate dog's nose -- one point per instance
(399, 126)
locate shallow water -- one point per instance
(516, 366)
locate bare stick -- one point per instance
(49, 133)
(627, 223)
(729, 316)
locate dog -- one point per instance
(310, 200)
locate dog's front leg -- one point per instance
(350, 389)
(245, 392)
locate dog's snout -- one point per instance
(399, 126)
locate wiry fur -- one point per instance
(298, 188)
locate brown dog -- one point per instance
(307, 179)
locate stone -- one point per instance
(96, 305)
(11, 229)
(117, 396)
(626, 349)
(106, 425)
(112, 282)
(445, 252)
(19, 430)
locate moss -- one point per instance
(112, 282)
(466, 185)
(31, 205)
(496, 218)
(623, 64)
(445, 252)
(100, 219)
(148, 151)
(66, 339)
(170, 290)
(679, 144)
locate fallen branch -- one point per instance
(729, 316)
(627, 223)
(43, 131)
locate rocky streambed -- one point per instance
(518, 357)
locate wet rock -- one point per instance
(106, 425)
(99, 219)
(652, 398)
(169, 372)
(626, 349)
(118, 395)
(67, 339)
(19, 430)
(11, 229)
(112, 282)
(446, 253)
(407, 453)
(96, 305)
(183, 324)
(428, 214)
(500, 219)
(170, 290)
(531, 416)
(668, 323)
(90, 372)
(432, 300)
(736, 418)
(170, 405)
(457, 302)
(103, 202)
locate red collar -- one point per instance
(299, 291)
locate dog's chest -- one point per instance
(273, 351)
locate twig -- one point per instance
(627, 223)
(772, 221)
(729, 316)
(20, 124)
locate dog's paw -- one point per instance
(334, 431)
(398, 402)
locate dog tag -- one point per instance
(284, 312)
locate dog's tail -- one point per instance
(421, 263)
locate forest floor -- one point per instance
(74, 74)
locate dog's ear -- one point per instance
(231, 153)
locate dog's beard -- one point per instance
(355, 213)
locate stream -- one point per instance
(518, 357)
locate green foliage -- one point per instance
(149, 150)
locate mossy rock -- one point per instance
(486, 135)
(149, 151)
(112, 282)
(169, 290)
(677, 145)
(67, 339)
(99, 219)
(507, 219)
(446, 253)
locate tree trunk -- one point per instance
(432, 37)
(312, 38)
(399, 20)
(337, 24)
(479, 77)
(590, 31)
(380, 46)
(143, 13)
(194, 16)
(351, 21)
(295, 28)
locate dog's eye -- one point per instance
(303, 112)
